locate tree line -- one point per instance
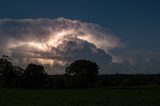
(79, 74)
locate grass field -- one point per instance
(81, 97)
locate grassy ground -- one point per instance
(81, 97)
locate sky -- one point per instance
(133, 24)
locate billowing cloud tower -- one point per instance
(55, 42)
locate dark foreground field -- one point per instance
(81, 97)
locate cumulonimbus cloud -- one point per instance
(55, 42)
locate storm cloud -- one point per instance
(55, 42)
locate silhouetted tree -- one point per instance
(6, 72)
(34, 76)
(81, 73)
(10, 76)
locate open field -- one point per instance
(81, 97)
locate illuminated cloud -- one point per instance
(55, 42)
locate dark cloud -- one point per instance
(136, 61)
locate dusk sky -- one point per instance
(127, 30)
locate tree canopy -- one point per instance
(6, 72)
(81, 73)
(34, 76)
